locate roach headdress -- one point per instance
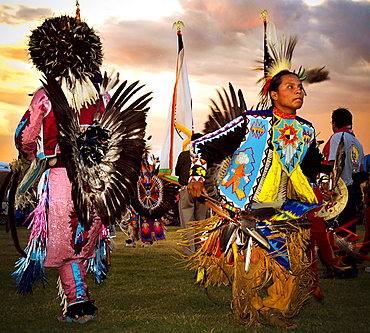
(63, 45)
(278, 54)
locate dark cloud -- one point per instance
(218, 31)
(221, 37)
(224, 38)
(23, 14)
(343, 27)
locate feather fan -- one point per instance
(230, 106)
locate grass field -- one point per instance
(148, 290)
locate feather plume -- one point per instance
(339, 162)
(315, 75)
(248, 254)
(108, 83)
(278, 54)
(277, 57)
(228, 233)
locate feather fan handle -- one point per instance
(217, 209)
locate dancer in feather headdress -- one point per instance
(153, 198)
(85, 151)
(267, 157)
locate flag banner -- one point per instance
(179, 127)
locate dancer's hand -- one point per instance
(196, 189)
(329, 195)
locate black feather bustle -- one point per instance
(219, 148)
(230, 106)
(93, 145)
(64, 43)
(311, 164)
(104, 162)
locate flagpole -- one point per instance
(174, 98)
(180, 121)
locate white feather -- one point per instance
(79, 93)
(248, 254)
(271, 35)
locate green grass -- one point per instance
(148, 290)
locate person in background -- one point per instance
(190, 207)
(320, 239)
(348, 148)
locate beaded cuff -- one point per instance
(198, 171)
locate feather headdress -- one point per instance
(277, 57)
(63, 45)
(66, 48)
(278, 54)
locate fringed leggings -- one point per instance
(73, 277)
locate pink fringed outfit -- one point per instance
(68, 245)
(59, 249)
(80, 144)
(38, 123)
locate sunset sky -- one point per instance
(223, 40)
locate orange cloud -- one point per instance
(17, 97)
(14, 53)
(8, 152)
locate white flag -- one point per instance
(179, 126)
